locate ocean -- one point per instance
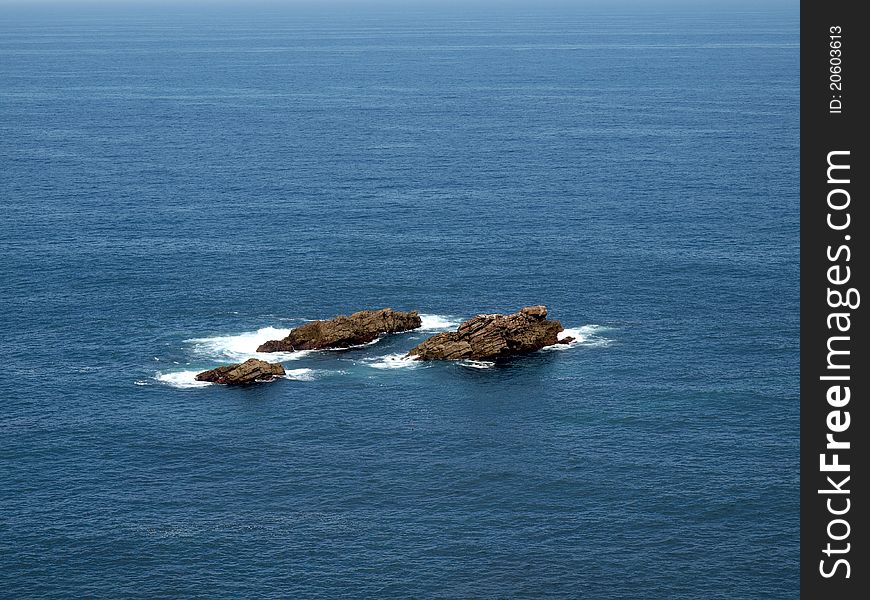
(180, 183)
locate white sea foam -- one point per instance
(300, 374)
(392, 361)
(439, 322)
(182, 379)
(187, 379)
(243, 346)
(371, 343)
(587, 335)
(476, 364)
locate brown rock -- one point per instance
(250, 371)
(342, 332)
(539, 312)
(486, 337)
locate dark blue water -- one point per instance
(176, 181)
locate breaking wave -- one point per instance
(243, 346)
(182, 379)
(392, 361)
(300, 374)
(438, 322)
(343, 348)
(476, 364)
(587, 335)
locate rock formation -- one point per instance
(341, 332)
(250, 371)
(486, 337)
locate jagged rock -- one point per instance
(341, 332)
(486, 337)
(538, 312)
(250, 371)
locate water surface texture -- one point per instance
(179, 184)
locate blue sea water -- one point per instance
(180, 182)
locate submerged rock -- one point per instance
(341, 332)
(250, 371)
(486, 337)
